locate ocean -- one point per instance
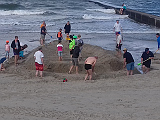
(86, 18)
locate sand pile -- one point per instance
(108, 65)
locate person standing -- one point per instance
(59, 50)
(39, 62)
(75, 59)
(146, 60)
(43, 24)
(67, 28)
(158, 40)
(16, 49)
(117, 28)
(128, 62)
(43, 33)
(7, 49)
(72, 45)
(119, 44)
(89, 66)
(59, 35)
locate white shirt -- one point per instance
(117, 27)
(119, 38)
(38, 55)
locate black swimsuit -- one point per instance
(88, 66)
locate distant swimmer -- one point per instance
(67, 28)
(117, 28)
(128, 62)
(158, 40)
(122, 10)
(146, 60)
(89, 66)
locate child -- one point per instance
(59, 50)
(1, 63)
(7, 49)
(22, 51)
(68, 38)
(59, 35)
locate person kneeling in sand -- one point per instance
(89, 66)
(39, 61)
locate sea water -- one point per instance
(87, 18)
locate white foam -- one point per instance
(109, 11)
(20, 12)
(86, 16)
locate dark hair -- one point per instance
(24, 46)
(157, 34)
(40, 48)
(59, 41)
(71, 36)
(16, 36)
(146, 49)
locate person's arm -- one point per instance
(64, 28)
(42, 61)
(124, 62)
(141, 60)
(9, 49)
(93, 65)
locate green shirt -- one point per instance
(71, 44)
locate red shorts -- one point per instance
(39, 66)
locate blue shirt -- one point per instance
(158, 40)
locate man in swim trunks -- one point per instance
(89, 66)
(39, 61)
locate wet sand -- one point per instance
(111, 96)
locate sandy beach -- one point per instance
(111, 96)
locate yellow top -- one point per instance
(67, 38)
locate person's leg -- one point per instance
(76, 69)
(86, 75)
(131, 72)
(128, 71)
(41, 74)
(71, 69)
(143, 68)
(36, 73)
(15, 59)
(90, 74)
(147, 70)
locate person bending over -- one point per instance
(89, 66)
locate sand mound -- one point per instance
(108, 65)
